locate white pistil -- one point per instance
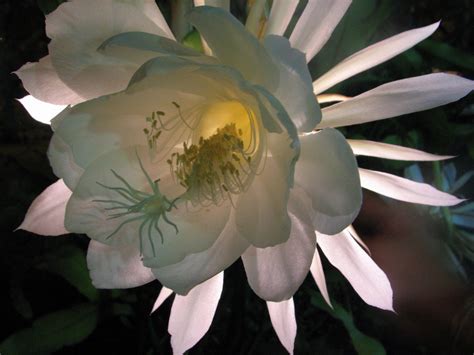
(149, 208)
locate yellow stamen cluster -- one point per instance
(213, 168)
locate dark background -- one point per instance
(48, 304)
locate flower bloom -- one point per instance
(176, 164)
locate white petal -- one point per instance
(295, 91)
(405, 190)
(390, 151)
(189, 230)
(372, 56)
(398, 98)
(162, 297)
(46, 214)
(276, 273)
(282, 316)
(191, 315)
(199, 267)
(39, 110)
(318, 274)
(358, 239)
(78, 28)
(280, 16)
(42, 81)
(266, 200)
(327, 171)
(152, 11)
(367, 279)
(116, 267)
(316, 24)
(227, 37)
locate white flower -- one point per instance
(263, 96)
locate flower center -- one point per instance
(219, 162)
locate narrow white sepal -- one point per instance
(318, 275)
(358, 239)
(405, 190)
(326, 98)
(46, 214)
(391, 151)
(316, 24)
(367, 279)
(280, 16)
(371, 56)
(162, 297)
(397, 98)
(191, 315)
(41, 111)
(282, 316)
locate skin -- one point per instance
(430, 297)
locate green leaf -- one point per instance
(363, 344)
(193, 40)
(53, 331)
(70, 263)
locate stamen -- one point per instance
(211, 169)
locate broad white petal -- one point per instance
(327, 171)
(162, 297)
(316, 24)
(199, 267)
(191, 315)
(46, 214)
(318, 274)
(390, 151)
(295, 91)
(116, 267)
(367, 279)
(267, 197)
(276, 273)
(164, 237)
(227, 37)
(372, 56)
(42, 81)
(405, 190)
(398, 98)
(39, 110)
(282, 316)
(280, 16)
(78, 28)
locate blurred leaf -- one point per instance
(363, 344)
(53, 331)
(448, 53)
(19, 301)
(69, 262)
(48, 6)
(461, 181)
